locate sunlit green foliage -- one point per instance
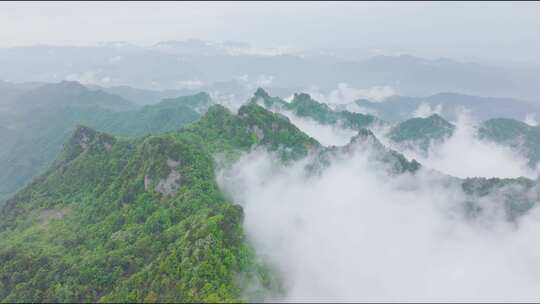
(95, 226)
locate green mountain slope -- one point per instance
(516, 196)
(141, 219)
(365, 141)
(169, 114)
(302, 105)
(421, 132)
(118, 219)
(44, 118)
(515, 134)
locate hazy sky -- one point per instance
(490, 31)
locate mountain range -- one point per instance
(143, 219)
(193, 64)
(448, 105)
(37, 118)
(112, 214)
(37, 122)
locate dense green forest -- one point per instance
(515, 134)
(142, 219)
(302, 105)
(421, 132)
(44, 118)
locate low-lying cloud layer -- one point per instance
(424, 110)
(465, 155)
(462, 155)
(326, 134)
(345, 94)
(356, 234)
(530, 119)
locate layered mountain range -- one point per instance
(36, 122)
(195, 64)
(126, 205)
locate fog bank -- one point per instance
(356, 234)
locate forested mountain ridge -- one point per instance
(515, 195)
(40, 117)
(515, 134)
(143, 219)
(40, 121)
(302, 105)
(398, 108)
(365, 142)
(113, 64)
(416, 133)
(69, 93)
(421, 132)
(140, 219)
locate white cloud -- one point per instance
(530, 119)
(344, 94)
(465, 155)
(355, 234)
(115, 59)
(243, 78)
(88, 77)
(190, 84)
(264, 80)
(325, 134)
(355, 108)
(258, 51)
(289, 98)
(424, 110)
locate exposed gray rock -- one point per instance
(170, 185)
(84, 141)
(108, 146)
(172, 163)
(147, 182)
(258, 132)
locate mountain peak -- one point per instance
(253, 125)
(62, 87)
(85, 138)
(261, 93)
(439, 121)
(302, 97)
(421, 131)
(72, 93)
(365, 136)
(366, 141)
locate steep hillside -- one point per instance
(141, 96)
(42, 120)
(421, 132)
(515, 134)
(141, 219)
(302, 105)
(169, 114)
(365, 142)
